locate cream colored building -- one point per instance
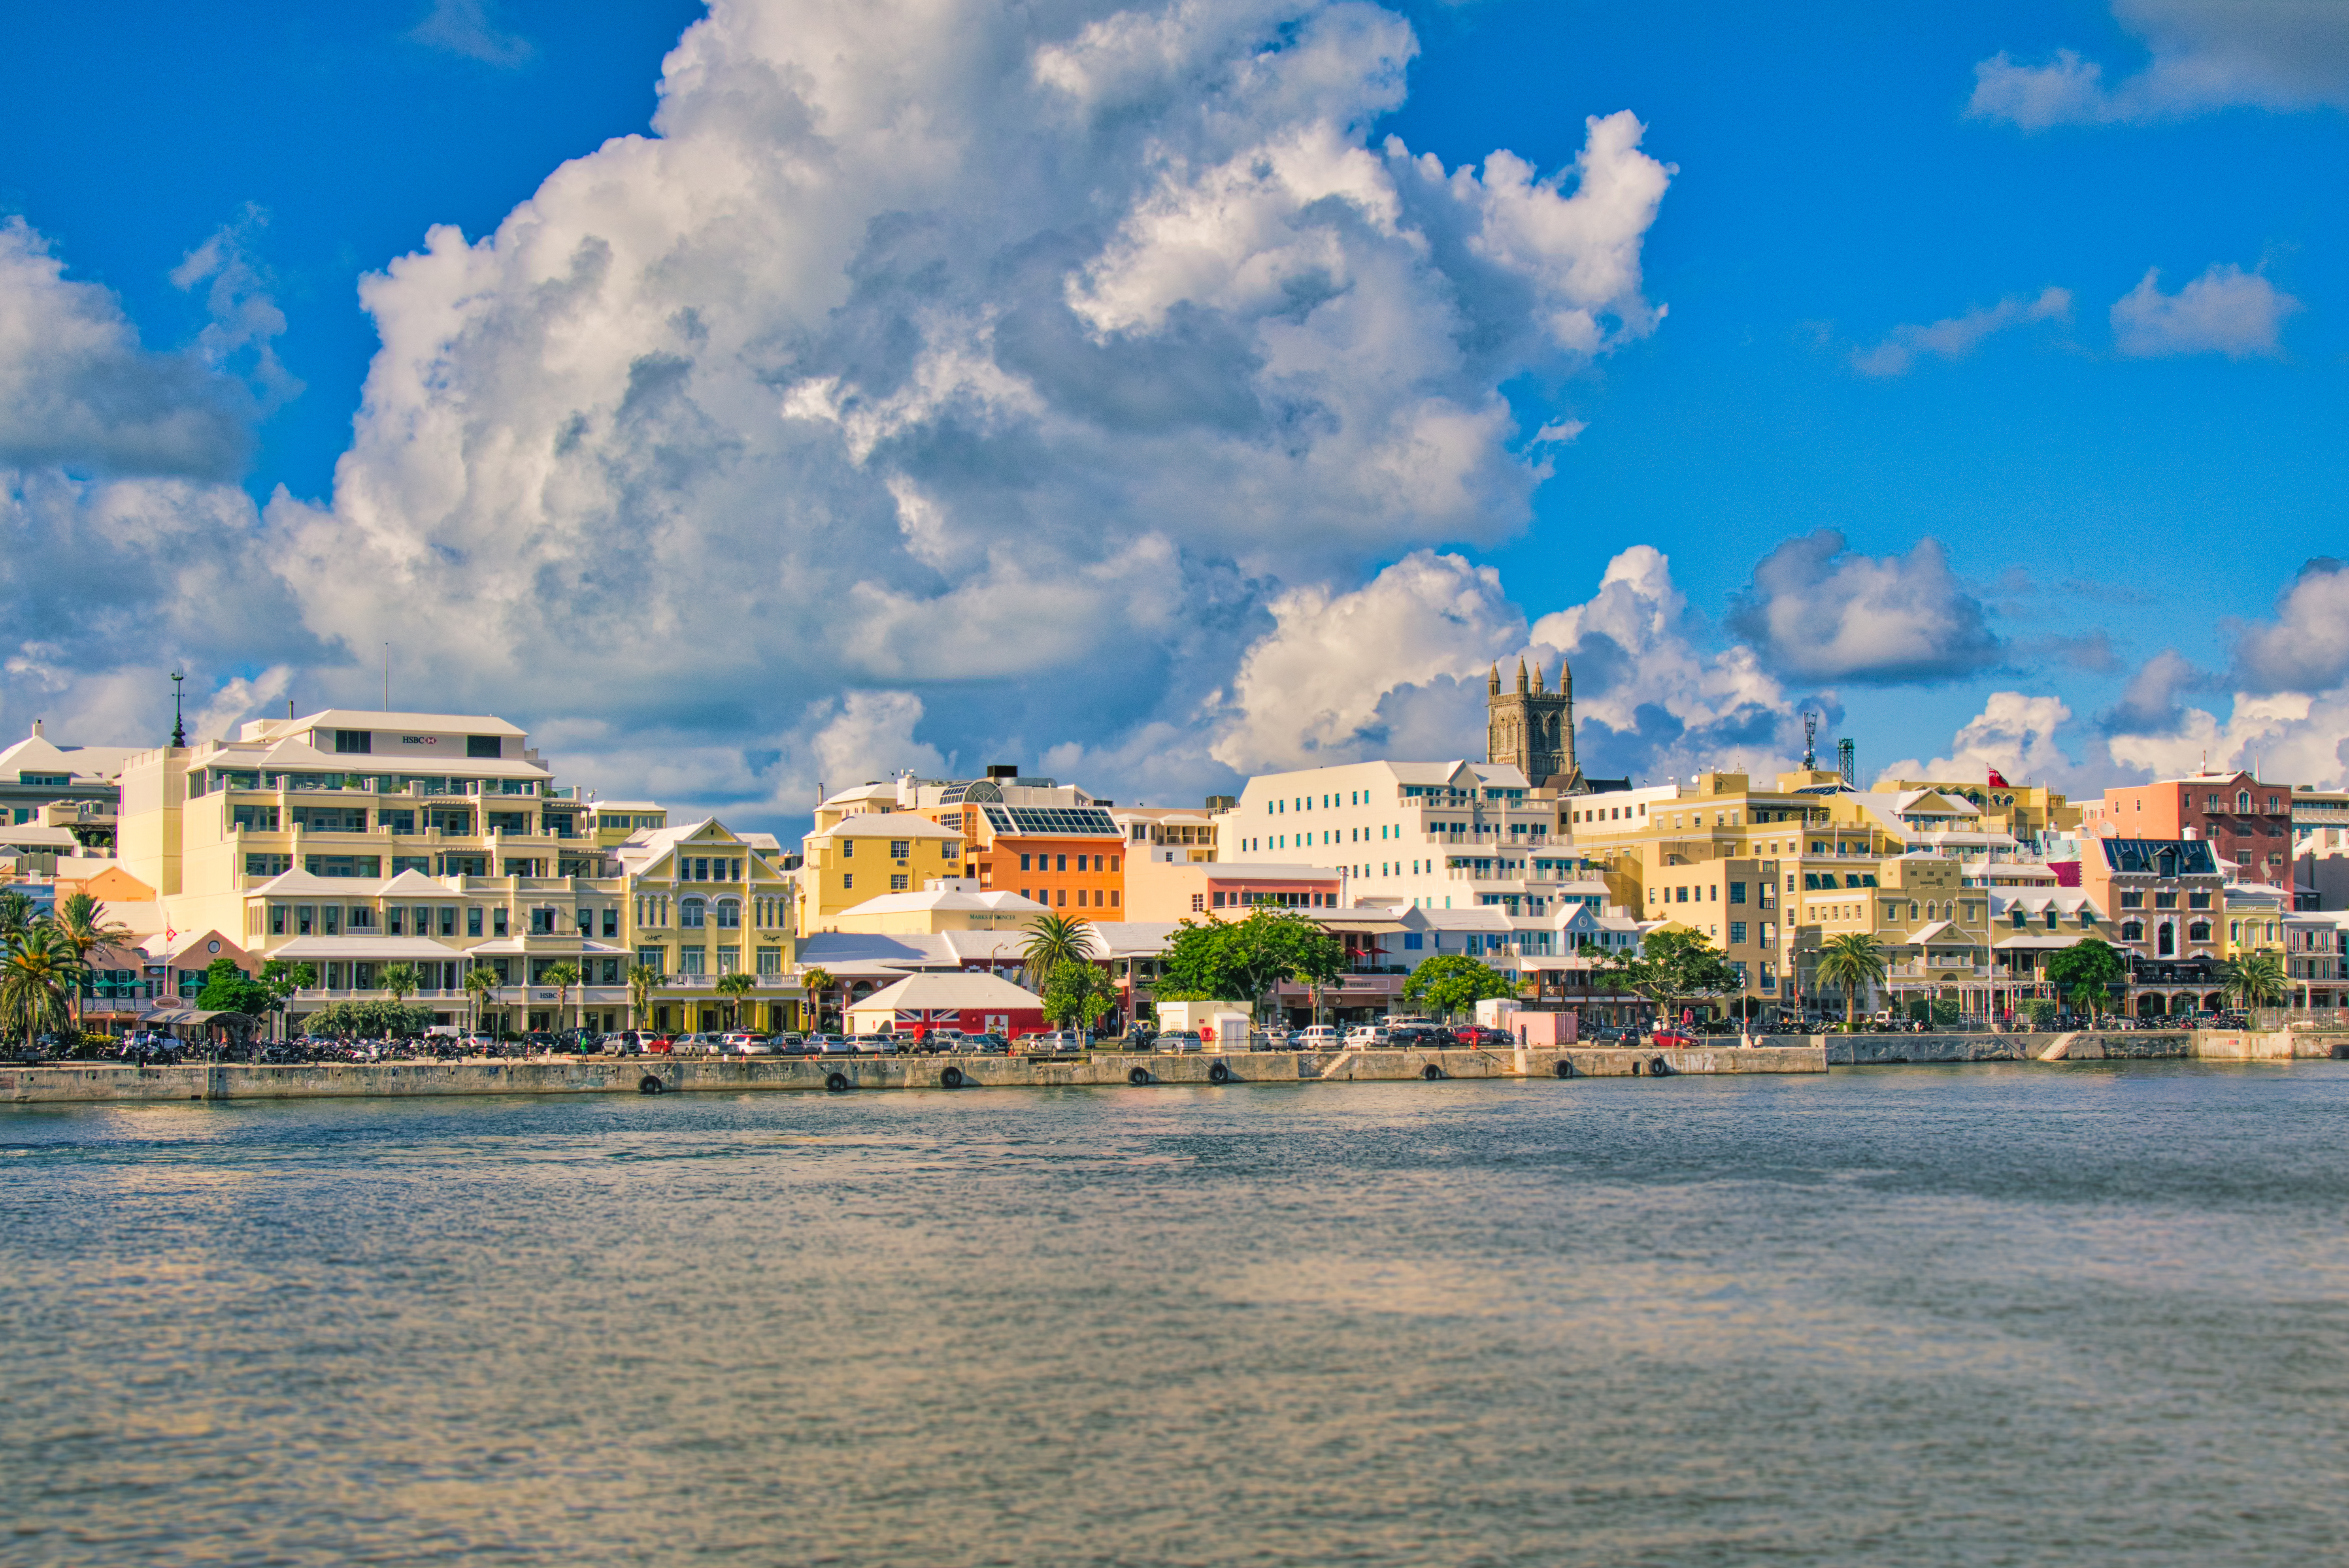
(354, 840)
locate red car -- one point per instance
(1671, 1040)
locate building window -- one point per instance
(498, 920)
(847, 881)
(771, 961)
(729, 914)
(1199, 903)
(848, 848)
(899, 882)
(2132, 899)
(692, 913)
(484, 746)
(2132, 931)
(1736, 934)
(1064, 900)
(693, 960)
(268, 865)
(2199, 931)
(1023, 862)
(901, 849)
(1112, 898)
(348, 741)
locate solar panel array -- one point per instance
(1054, 821)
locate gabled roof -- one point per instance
(302, 884)
(1941, 933)
(38, 754)
(413, 884)
(958, 990)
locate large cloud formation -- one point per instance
(1028, 360)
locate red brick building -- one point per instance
(2242, 820)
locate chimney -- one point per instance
(36, 729)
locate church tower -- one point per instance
(1532, 728)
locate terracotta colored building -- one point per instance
(2242, 820)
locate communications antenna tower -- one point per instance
(1810, 740)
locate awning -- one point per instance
(175, 1018)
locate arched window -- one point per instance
(730, 914)
(2199, 931)
(2242, 799)
(1913, 911)
(2132, 931)
(2166, 939)
(693, 914)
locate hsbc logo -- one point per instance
(419, 740)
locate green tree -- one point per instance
(479, 981)
(1672, 964)
(642, 978)
(1852, 961)
(1240, 961)
(39, 974)
(2090, 966)
(16, 913)
(734, 987)
(816, 982)
(401, 980)
(1453, 983)
(2257, 979)
(82, 921)
(228, 989)
(281, 979)
(1054, 940)
(562, 976)
(1076, 995)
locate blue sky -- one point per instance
(1844, 177)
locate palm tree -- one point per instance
(81, 921)
(642, 978)
(2257, 979)
(1851, 960)
(402, 981)
(1054, 940)
(734, 987)
(562, 976)
(815, 982)
(479, 981)
(39, 973)
(15, 913)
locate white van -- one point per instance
(1367, 1035)
(1320, 1037)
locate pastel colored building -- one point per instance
(1187, 889)
(2246, 822)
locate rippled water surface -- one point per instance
(1986, 1315)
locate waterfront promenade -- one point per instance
(110, 1082)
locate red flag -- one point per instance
(1997, 781)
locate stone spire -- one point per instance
(1496, 688)
(1522, 688)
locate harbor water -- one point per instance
(1982, 1315)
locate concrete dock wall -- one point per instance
(105, 1082)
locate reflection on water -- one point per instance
(1969, 1315)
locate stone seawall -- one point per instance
(656, 1075)
(2110, 1045)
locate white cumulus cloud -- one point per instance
(2205, 55)
(2225, 311)
(1818, 611)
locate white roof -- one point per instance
(32, 836)
(1941, 933)
(38, 754)
(874, 791)
(1135, 938)
(373, 719)
(888, 825)
(306, 948)
(969, 992)
(1269, 870)
(945, 900)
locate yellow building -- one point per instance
(864, 854)
(703, 902)
(2028, 813)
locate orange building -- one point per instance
(1067, 857)
(2242, 820)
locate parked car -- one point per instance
(747, 1045)
(1672, 1038)
(1320, 1037)
(984, 1045)
(1055, 1042)
(791, 1044)
(829, 1046)
(876, 1044)
(1179, 1040)
(1362, 1035)
(1477, 1035)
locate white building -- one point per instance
(1428, 835)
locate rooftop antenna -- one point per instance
(1810, 740)
(1847, 763)
(179, 730)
